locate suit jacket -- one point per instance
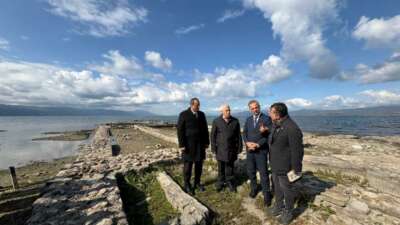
(226, 140)
(252, 133)
(193, 135)
(286, 147)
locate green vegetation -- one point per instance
(144, 200)
(225, 205)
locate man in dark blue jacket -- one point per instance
(255, 136)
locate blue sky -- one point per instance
(156, 55)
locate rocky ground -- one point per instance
(347, 180)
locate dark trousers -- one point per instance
(187, 171)
(225, 172)
(285, 192)
(258, 161)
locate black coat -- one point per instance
(286, 147)
(226, 140)
(193, 135)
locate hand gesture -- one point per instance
(263, 128)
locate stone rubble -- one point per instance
(85, 192)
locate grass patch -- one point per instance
(225, 205)
(144, 200)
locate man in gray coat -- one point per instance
(226, 143)
(286, 156)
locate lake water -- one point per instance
(17, 147)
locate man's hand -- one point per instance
(251, 146)
(263, 128)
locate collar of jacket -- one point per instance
(222, 118)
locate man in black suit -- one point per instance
(226, 144)
(286, 156)
(193, 140)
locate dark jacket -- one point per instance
(286, 147)
(253, 134)
(193, 135)
(226, 140)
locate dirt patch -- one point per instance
(132, 140)
(35, 173)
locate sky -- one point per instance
(156, 55)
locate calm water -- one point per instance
(17, 147)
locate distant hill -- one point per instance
(17, 110)
(370, 111)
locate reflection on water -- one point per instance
(17, 147)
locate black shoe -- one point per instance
(267, 199)
(199, 187)
(274, 210)
(287, 217)
(188, 189)
(253, 193)
(232, 187)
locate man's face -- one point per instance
(274, 114)
(195, 106)
(226, 112)
(254, 108)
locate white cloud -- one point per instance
(155, 59)
(339, 101)
(186, 30)
(24, 37)
(100, 18)
(379, 33)
(300, 25)
(387, 71)
(298, 103)
(382, 97)
(243, 82)
(230, 14)
(118, 86)
(4, 44)
(119, 65)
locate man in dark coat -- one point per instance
(255, 136)
(226, 143)
(286, 149)
(193, 140)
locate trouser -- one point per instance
(225, 172)
(285, 192)
(258, 161)
(187, 171)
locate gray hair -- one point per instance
(223, 106)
